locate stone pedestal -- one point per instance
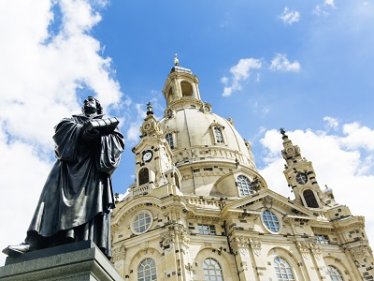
(81, 261)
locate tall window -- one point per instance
(170, 140)
(206, 229)
(283, 270)
(147, 270)
(143, 176)
(310, 199)
(212, 270)
(244, 185)
(271, 221)
(334, 273)
(218, 134)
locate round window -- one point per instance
(141, 222)
(270, 221)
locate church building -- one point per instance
(199, 210)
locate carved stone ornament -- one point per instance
(360, 253)
(180, 231)
(167, 241)
(256, 246)
(119, 253)
(240, 244)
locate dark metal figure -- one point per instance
(76, 200)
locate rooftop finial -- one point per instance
(176, 60)
(283, 132)
(149, 108)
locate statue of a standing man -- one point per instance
(76, 200)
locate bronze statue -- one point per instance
(76, 200)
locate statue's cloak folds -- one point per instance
(78, 192)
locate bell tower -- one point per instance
(155, 171)
(300, 175)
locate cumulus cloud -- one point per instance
(48, 61)
(342, 160)
(289, 17)
(239, 73)
(281, 63)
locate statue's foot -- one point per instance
(16, 250)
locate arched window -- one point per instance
(212, 270)
(218, 135)
(334, 273)
(310, 199)
(271, 221)
(244, 185)
(170, 94)
(143, 176)
(283, 270)
(170, 140)
(147, 270)
(186, 89)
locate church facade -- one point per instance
(199, 210)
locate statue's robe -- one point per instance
(76, 200)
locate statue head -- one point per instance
(91, 105)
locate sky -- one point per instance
(306, 66)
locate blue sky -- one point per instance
(306, 66)
(332, 46)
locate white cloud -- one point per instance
(239, 73)
(281, 63)
(324, 8)
(342, 160)
(289, 17)
(358, 136)
(331, 122)
(45, 62)
(330, 3)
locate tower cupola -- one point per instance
(181, 86)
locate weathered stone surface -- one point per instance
(72, 262)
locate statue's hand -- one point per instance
(89, 132)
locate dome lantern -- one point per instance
(181, 86)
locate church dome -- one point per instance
(197, 129)
(206, 149)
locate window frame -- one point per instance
(207, 271)
(135, 228)
(322, 239)
(310, 199)
(206, 229)
(271, 220)
(172, 138)
(283, 269)
(218, 137)
(338, 276)
(246, 181)
(149, 269)
(142, 180)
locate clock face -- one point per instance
(147, 156)
(302, 178)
